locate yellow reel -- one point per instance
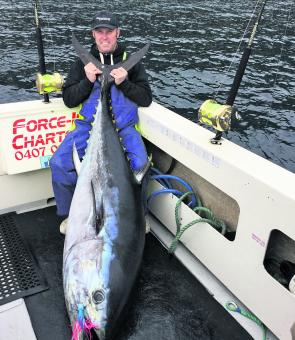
(47, 83)
(216, 115)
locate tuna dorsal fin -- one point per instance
(76, 159)
(98, 216)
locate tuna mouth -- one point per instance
(100, 333)
(84, 328)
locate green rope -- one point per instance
(209, 218)
(177, 208)
(208, 213)
(231, 306)
(178, 235)
(217, 224)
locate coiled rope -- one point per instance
(195, 204)
(209, 218)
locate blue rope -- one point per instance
(163, 181)
(166, 178)
(165, 191)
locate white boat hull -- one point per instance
(254, 197)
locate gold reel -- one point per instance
(216, 115)
(47, 83)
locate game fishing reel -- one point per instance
(216, 115)
(219, 116)
(48, 83)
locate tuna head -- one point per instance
(86, 288)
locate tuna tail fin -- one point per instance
(87, 57)
(76, 159)
(133, 59)
(84, 55)
(98, 213)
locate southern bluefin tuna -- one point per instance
(106, 229)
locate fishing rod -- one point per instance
(40, 47)
(46, 83)
(217, 115)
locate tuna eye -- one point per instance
(98, 296)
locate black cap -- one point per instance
(105, 19)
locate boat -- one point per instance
(235, 249)
(226, 177)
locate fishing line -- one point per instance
(274, 9)
(283, 41)
(236, 52)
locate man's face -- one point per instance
(106, 39)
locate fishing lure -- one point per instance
(82, 325)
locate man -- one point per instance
(82, 88)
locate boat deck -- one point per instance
(167, 301)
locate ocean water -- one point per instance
(195, 50)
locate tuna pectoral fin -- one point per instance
(76, 159)
(98, 209)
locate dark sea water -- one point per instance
(193, 45)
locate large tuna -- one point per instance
(106, 229)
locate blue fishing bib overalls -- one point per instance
(125, 117)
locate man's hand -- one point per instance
(91, 72)
(119, 74)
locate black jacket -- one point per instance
(78, 88)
